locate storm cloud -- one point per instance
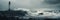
(30, 4)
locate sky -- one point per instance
(30, 4)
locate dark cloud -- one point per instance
(52, 1)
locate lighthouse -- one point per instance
(9, 5)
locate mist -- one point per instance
(30, 4)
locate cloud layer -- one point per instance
(30, 4)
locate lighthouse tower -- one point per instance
(9, 5)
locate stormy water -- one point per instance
(29, 9)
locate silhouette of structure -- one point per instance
(9, 5)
